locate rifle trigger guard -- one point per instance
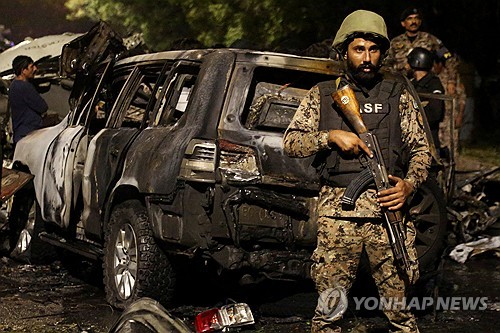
(364, 161)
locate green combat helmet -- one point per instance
(362, 22)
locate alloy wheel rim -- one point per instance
(125, 261)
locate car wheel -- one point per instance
(428, 212)
(134, 266)
(26, 224)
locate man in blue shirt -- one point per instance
(26, 107)
(26, 104)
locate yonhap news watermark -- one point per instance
(333, 302)
(422, 303)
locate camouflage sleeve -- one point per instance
(413, 134)
(451, 65)
(396, 55)
(390, 59)
(451, 68)
(302, 137)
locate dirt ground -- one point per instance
(48, 298)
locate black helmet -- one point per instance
(420, 58)
(410, 11)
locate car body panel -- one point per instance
(163, 148)
(35, 159)
(57, 187)
(103, 161)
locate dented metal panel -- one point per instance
(103, 162)
(31, 151)
(238, 163)
(163, 148)
(270, 93)
(57, 189)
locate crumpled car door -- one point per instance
(89, 59)
(81, 57)
(106, 150)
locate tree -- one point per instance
(289, 24)
(161, 22)
(262, 24)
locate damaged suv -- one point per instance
(179, 154)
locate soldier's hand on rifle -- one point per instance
(393, 198)
(348, 142)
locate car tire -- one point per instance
(25, 243)
(427, 210)
(134, 266)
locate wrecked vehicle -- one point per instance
(172, 159)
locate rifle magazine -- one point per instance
(355, 188)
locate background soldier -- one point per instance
(446, 129)
(317, 128)
(401, 46)
(421, 62)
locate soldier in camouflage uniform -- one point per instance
(401, 46)
(447, 130)
(387, 107)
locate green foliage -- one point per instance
(262, 24)
(287, 24)
(162, 22)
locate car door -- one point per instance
(107, 148)
(89, 60)
(63, 168)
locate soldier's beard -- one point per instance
(365, 78)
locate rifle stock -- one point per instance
(347, 102)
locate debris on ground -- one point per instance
(462, 252)
(474, 214)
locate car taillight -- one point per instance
(208, 321)
(233, 315)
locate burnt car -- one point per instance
(171, 159)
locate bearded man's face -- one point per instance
(363, 58)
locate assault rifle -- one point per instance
(375, 171)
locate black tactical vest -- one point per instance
(380, 113)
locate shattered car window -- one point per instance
(144, 94)
(176, 97)
(274, 97)
(137, 108)
(102, 104)
(273, 106)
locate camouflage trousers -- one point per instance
(335, 262)
(448, 131)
